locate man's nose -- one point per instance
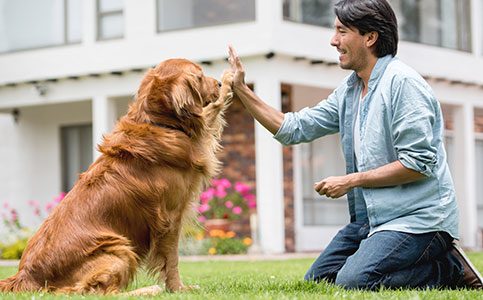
(334, 41)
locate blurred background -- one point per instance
(69, 68)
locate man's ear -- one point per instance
(371, 38)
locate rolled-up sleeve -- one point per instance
(414, 111)
(310, 123)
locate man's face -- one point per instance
(351, 46)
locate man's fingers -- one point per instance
(234, 60)
(239, 64)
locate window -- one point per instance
(27, 24)
(444, 23)
(314, 12)
(110, 20)
(320, 159)
(76, 143)
(181, 14)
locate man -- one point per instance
(402, 203)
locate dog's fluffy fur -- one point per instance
(128, 207)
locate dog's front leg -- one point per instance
(169, 250)
(213, 113)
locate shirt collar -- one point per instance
(376, 73)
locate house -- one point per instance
(68, 69)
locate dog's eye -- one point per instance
(219, 83)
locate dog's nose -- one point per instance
(219, 83)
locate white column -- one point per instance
(477, 27)
(140, 18)
(89, 22)
(269, 174)
(103, 120)
(464, 173)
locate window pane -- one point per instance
(110, 5)
(28, 24)
(320, 159)
(444, 23)
(111, 26)
(74, 21)
(76, 153)
(196, 13)
(315, 12)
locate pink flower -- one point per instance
(60, 197)
(242, 188)
(37, 211)
(14, 215)
(252, 204)
(207, 195)
(237, 210)
(201, 219)
(249, 197)
(225, 183)
(203, 208)
(229, 204)
(34, 203)
(49, 206)
(5, 205)
(220, 192)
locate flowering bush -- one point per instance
(17, 235)
(226, 242)
(224, 200)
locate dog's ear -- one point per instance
(186, 97)
(188, 104)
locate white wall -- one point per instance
(31, 168)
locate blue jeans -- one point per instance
(388, 258)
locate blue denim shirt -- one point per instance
(400, 119)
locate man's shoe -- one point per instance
(472, 278)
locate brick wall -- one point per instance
(238, 159)
(238, 154)
(288, 185)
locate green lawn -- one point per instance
(262, 280)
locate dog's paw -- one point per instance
(226, 92)
(183, 288)
(227, 78)
(145, 291)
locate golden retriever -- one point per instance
(128, 207)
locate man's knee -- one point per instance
(317, 275)
(351, 279)
(312, 275)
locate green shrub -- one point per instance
(229, 246)
(13, 250)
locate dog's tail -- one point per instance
(18, 283)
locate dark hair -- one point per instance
(371, 15)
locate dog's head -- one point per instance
(173, 94)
